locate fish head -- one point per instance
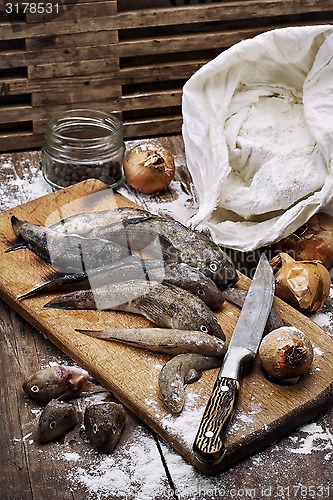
(209, 293)
(54, 382)
(220, 269)
(46, 384)
(206, 322)
(213, 327)
(56, 419)
(104, 423)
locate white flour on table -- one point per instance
(22, 189)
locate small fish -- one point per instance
(183, 244)
(178, 242)
(56, 419)
(177, 372)
(104, 423)
(166, 306)
(174, 273)
(54, 382)
(67, 252)
(166, 340)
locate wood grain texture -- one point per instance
(130, 57)
(132, 374)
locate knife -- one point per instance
(208, 445)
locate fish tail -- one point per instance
(19, 246)
(72, 301)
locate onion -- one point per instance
(312, 241)
(286, 353)
(303, 284)
(149, 168)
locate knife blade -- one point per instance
(208, 445)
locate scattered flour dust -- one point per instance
(184, 426)
(324, 318)
(315, 438)
(22, 189)
(182, 210)
(132, 472)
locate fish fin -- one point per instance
(31, 293)
(53, 279)
(17, 246)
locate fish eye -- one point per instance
(52, 424)
(34, 388)
(213, 267)
(114, 429)
(201, 291)
(204, 328)
(95, 428)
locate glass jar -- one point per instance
(82, 144)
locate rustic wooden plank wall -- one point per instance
(131, 57)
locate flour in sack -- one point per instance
(257, 128)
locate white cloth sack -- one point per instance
(258, 134)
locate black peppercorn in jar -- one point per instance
(82, 144)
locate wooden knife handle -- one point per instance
(208, 445)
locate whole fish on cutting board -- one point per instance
(166, 306)
(177, 241)
(67, 252)
(176, 373)
(182, 244)
(166, 340)
(174, 273)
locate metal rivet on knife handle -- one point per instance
(208, 445)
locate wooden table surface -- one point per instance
(143, 467)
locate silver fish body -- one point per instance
(67, 252)
(85, 222)
(175, 240)
(104, 424)
(131, 267)
(166, 306)
(174, 375)
(56, 381)
(174, 273)
(56, 419)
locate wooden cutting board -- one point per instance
(265, 412)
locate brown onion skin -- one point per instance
(286, 353)
(312, 241)
(304, 285)
(149, 168)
